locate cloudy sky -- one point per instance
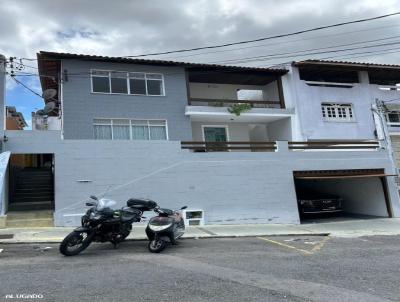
(130, 27)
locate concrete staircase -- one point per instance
(29, 219)
(34, 190)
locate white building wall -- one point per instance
(231, 187)
(308, 99)
(229, 91)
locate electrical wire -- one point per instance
(26, 87)
(279, 43)
(268, 38)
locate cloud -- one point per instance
(133, 27)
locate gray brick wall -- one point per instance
(81, 106)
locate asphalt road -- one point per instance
(231, 269)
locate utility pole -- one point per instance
(2, 93)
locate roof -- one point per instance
(60, 55)
(355, 65)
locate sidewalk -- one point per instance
(345, 228)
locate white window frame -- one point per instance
(128, 82)
(148, 124)
(336, 106)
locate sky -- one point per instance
(132, 27)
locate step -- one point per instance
(33, 194)
(39, 214)
(34, 190)
(36, 198)
(23, 219)
(30, 206)
(30, 223)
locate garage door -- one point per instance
(364, 191)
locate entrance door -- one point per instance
(215, 134)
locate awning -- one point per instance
(340, 174)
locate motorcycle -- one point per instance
(166, 227)
(101, 223)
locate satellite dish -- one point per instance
(50, 106)
(49, 94)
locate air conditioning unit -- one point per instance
(193, 217)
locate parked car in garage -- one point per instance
(313, 202)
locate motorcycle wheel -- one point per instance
(157, 246)
(75, 243)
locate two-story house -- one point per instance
(233, 143)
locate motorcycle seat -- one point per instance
(141, 204)
(167, 211)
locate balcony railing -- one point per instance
(334, 145)
(227, 103)
(201, 146)
(228, 146)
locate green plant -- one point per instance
(239, 108)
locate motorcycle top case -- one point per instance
(141, 204)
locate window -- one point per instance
(127, 129)
(154, 84)
(393, 119)
(337, 112)
(119, 83)
(134, 83)
(100, 81)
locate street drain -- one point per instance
(6, 236)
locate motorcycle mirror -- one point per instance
(185, 207)
(93, 197)
(90, 204)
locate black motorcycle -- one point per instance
(101, 224)
(166, 227)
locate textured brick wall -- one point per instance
(81, 106)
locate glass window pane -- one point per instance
(102, 132)
(100, 73)
(102, 121)
(101, 84)
(137, 86)
(157, 122)
(121, 132)
(154, 87)
(154, 76)
(118, 74)
(120, 122)
(136, 75)
(158, 133)
(119, 85)
(140, 132)
(139, 122)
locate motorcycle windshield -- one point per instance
(105, 203)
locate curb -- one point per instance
(58, 240)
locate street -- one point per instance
(275, 268)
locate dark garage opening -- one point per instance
(362, 193)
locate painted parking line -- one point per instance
(315, 249)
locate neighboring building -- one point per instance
(149, 128)
(14, 120)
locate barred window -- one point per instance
(337, 112)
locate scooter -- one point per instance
(166, 227)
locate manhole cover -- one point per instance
(6, 236)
